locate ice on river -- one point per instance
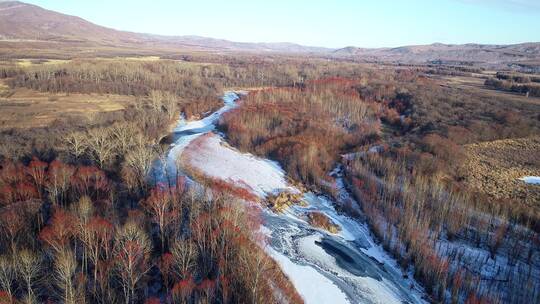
(351, 258)
(324, 267)
(166, 170)
(213, 158)
(373, 287)
(208, 123)
(310, 284)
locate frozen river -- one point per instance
(347, 267)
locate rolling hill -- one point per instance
(26, 22)
(29, 26)
(448, 53)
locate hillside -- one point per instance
(468, 54)
(32, 27)
(24, 22)
(29, 22)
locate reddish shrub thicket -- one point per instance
(55, 181)
(412, 209)
(90, 181)
(320, 220)
(183, 289)
(60, 232)
(153, 300)
(304, 128)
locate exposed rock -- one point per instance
(320, 220)
(283, 200)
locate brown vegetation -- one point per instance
(495, 168)
(419, 217)
(25, 108)
(521, 85)
(89, 214)
(109, 235)
(417, 199)
(65, 217)
(412, 187)
(283, 200)
(305, 129)
(320, 220)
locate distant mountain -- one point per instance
(447, 53)
(22, 21)
(29, 22)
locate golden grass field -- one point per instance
(476, 85)
(495, 168)
(25, 108)
(32, 62)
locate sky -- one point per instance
(330, 23)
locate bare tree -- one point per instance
(101, 146)
(162, 204)
(12, 223)
(36, 170)
(28, 268)
(185, 255)
(139, 161)
(98, 242)
(170, 103)
(76, 144)
(7, 274)
(65, 266)
(84, 210)
(58, 181)
(124, 135)
(156, 100)
(132, 252)
(259, 265)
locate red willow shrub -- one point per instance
(56, 182)
(420, 218)
(60, 232)
(304, 128)
(36, 170)
(182, 290)
(90, 181)
(152, 301)
(115, 247)
(166, 266)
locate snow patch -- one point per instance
(213, 158)
(312, 285)
(535, 180)
(208, 123)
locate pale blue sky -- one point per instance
(331, 23)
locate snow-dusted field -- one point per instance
(348, 267)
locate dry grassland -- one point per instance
(25, 108)
(495, 168)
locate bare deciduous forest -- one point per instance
(427, 157)
(84, 188)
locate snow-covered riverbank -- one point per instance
(347, 267)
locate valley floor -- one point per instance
(324, 267)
